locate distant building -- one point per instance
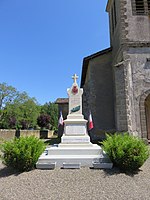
(64, 108)
(116, 81)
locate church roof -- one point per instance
(86, 62)
(62, 101)
(108, 5)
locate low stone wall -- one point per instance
(7, 134)
(10, 134)
(25, 133)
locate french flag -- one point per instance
(91, 126)
(61, 120)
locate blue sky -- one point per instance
(43, 43)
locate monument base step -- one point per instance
(73, 156)
(46, 165)
(79, 150)
(98, 165)
(84, 145)
(71, 165)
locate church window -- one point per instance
(148, 2)
(141, 7)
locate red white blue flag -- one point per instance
(91, 126)
(61, 120)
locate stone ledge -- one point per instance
(71, 165)
(45, 165)
(98, 165)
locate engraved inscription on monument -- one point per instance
(75, 129)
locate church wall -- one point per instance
(121, 93)
(115, 35)
(101, 95)
(131, 78)
(138, 26)
(140, 65)
(118, 37)
(120, 98)
(86, 94)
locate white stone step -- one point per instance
(48, 157)
(83, 160)
(94, 150)
(75, 154)
(88, 145)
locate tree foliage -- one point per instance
(44, 121)
(7, 94)
(24, 115)
(52, 110)
(19, 111)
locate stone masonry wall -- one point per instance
(86, 95)
(119, 37)
(98, 95)
(120, 98)
(10, 134)
(141, 83)
(138, 26)
(132, 77)
(132, 81)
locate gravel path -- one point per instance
(77, 184)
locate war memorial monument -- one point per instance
(75, 149)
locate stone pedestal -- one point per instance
(75, 149)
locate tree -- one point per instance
(52, 110)
(25, 113)
(30, 112)
(17, 109)
(43, 121)
(7, 94)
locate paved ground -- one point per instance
(67, 184)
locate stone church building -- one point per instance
(116, 81)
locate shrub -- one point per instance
(125, 151)
(22, 153)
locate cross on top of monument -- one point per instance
(75, 77)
